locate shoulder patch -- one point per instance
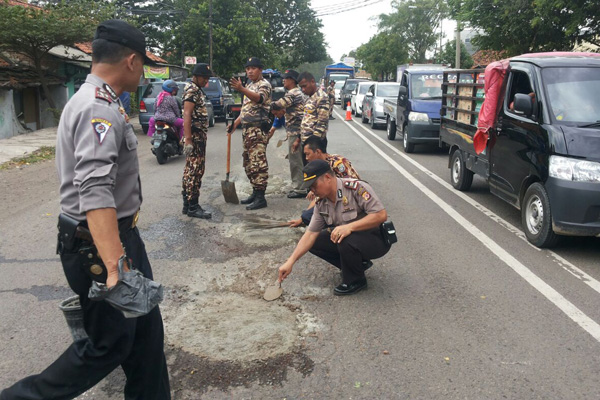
(101, 128)
(103, 94)
(353, 185)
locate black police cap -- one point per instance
(118, 31)
(313, 170)
(254, 62)
(202, 69)
(290, 73)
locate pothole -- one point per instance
(236, 328)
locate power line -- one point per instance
(347, 8)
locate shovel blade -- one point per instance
(229, 192)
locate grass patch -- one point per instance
(42, 154)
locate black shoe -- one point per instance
(259, 201)
(250, 198)
(331, 118)
(195, 211)
(186, 205)
(296, 195)
(367, 264)
(347, 289)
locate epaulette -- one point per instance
(103, 94)
(351, 185)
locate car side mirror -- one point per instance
(403, 90)
(523, 105)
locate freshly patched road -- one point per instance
(462, 307)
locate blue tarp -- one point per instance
(339, 66)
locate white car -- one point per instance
(357, 97)
(338, 86)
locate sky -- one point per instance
(346, 30)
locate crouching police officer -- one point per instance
(344, 229)
(96, 157)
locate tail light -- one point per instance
(142, 106)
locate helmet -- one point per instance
(169, 85)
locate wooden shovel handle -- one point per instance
(228, 152)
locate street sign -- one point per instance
(349, 61)
(190, 60)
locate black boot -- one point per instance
(196, 211)
(259, 201)
(249, 199)
(186, 205)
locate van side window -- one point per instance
(404, 80)
(519, 83)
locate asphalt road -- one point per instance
(462, 307)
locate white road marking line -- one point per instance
(566, 265)
(588, 324)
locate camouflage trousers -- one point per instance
(194, 167)
(255, 157)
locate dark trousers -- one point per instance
(136, 344)
(351, 252)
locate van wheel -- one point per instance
(363, 117)
(536, 217)
(372, 123)
(211, 122)
(406, 146)
(391, 129)
(460, 177)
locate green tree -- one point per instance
(448, 55)
(33, 31)
(522, 26)
(381, 55)
(416, 22)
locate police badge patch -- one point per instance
(101, 128)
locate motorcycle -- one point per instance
(165, 142)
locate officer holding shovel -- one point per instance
(96, 157)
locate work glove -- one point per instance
(188, 149)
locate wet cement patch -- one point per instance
(190, 373)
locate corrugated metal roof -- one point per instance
(87, 48)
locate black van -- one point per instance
(219, 94)
(543, 155)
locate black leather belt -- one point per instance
(128, 223)
(251, 125)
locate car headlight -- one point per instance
(418, 117)
(571, 169)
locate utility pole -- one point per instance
(457, 45)
(210, 40)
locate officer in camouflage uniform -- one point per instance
(331, 94)
(195, 128)
(255, 120)
(293, 104)
(316, 110)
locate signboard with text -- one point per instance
(189, 60)
(156, 72)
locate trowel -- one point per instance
(273, 292)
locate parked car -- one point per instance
(219, 94)
(149, 98)
(357, 97)
(347, 89)
(372, 107)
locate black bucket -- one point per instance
(74, 316)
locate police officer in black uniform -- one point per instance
(96, 157)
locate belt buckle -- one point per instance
(135, 219)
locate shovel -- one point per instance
(273, 292)
(229, 187)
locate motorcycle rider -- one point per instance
(167, 109)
